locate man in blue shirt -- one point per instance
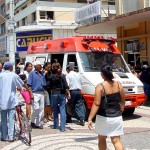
(8, 100)
(36, 82)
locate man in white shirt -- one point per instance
(74, 83)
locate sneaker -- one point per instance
(33, 125)
(82, 123)
(39, 127)
(10, 140)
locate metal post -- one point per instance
(11, 34)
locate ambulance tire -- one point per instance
(129, 111)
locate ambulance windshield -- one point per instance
(93, 62)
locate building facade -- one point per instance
(132, 26)
(134, 38)
(45, 17)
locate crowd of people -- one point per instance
(49, 90)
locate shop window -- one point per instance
(111, 2)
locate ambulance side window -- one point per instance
(72, 61)
(58, 58)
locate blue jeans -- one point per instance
(77, 102)
(7, 124)
(59, 103)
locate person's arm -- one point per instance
(29, 83)
(65, 84)
(122, 96)
(96, 104)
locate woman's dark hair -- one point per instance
(46, 64)
(27, 64)
(107, 72)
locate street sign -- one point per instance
(88, 11)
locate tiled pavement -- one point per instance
(136, 137)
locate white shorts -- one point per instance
(109, 126)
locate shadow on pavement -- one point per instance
(134, 116)
(86, 139)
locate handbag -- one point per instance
(103, 104)
(26, 96)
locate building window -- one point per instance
(2, 11)
(18, 24)
(24, 7)
(81, 1)
(24, 21)
(111, 2)
(34, 17)
(3, 28)
(46, 15)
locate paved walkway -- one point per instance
(76, 137)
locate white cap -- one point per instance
(37, 63)
(145, 66)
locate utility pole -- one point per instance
(11, 33)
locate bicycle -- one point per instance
(22, 127)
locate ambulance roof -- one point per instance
(74, 44)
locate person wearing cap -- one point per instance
(36, 82)
(74, 83)
(8, 100)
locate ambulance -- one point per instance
(88, 54)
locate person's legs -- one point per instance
(28, 111)
(41, 110)
(62, 106)
(55, 110)
(4, 128)
(102, 142)
(35, 106)
(45, 113)
(117, 143)
(11, 123)
(49, 113)
(77, 100)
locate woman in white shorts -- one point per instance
(108, 106)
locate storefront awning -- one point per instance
(109, 26)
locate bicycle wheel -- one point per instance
(26, 131)
(17, 129)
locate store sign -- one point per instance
(23, 39)
(3, 45)
(89, 11)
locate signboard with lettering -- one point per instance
(88, 11)
(3, 45)
(23, 39)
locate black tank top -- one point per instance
(113, 105)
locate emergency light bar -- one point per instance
(87, 38)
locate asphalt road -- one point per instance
(136, 136)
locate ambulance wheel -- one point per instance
(129, 111)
